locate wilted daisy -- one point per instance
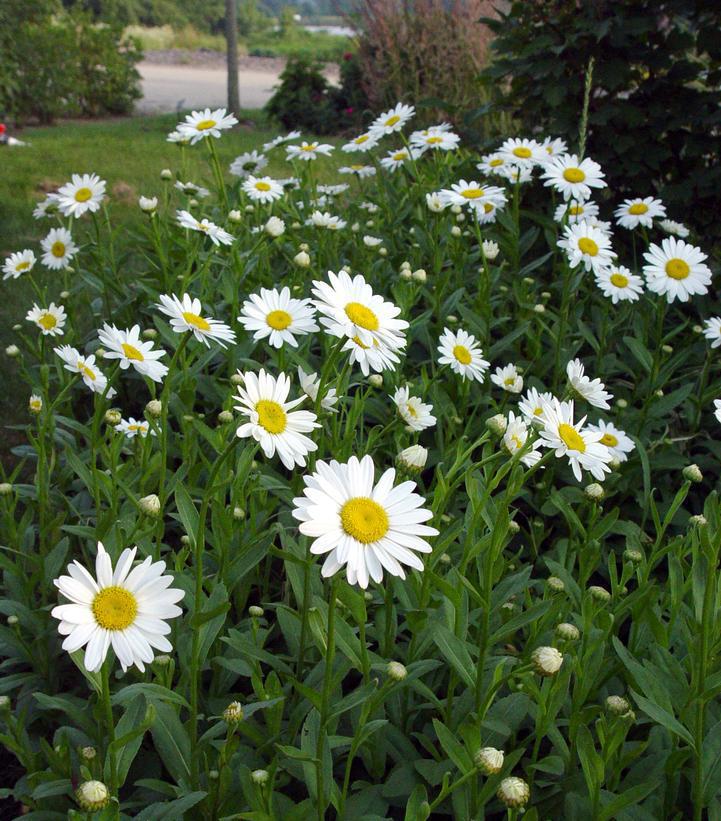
(574, 212)
(308, 151)
(619, 284)
(592, 390)
(614, 439)
(75, 362)
(127, 347)
(587, 245)
(125, 609)
(134, 427)
(324, 219)
(472, 194)
(395, 159)
(50, 320)
(363, 526)
(186, 315)
(572, 177)
(86, 192)
(363, 142)
(515, 439)
(192, 190)
(533, 404)
(508, 378)
(676, 269)
(206, 123)
(522, 152)
(673, 227)
(21, 262)
(360, 171)
(59, 249)
(413, 411)
(639, 211)
(374, 357)
(280, 139)
(350, 308)
(461, 351)
(712, 331)
(392, 120)
(250, 163)
(568, 438)
(204, 226)
(273, 422)
(262, 189)
(275, 314)
(310, 385)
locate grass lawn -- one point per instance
(129, 154)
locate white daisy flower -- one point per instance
(619, 284)
(35, 403)
(310, 385)
(492, 163)
(676, 269)
(554, 146)
(86, 192)
(273, 422)
(206, 123)
(186, 315)
(217, 235)
(59, 249)
(363, 526)
(324, 219)
(280, 139)
(334, 190)
(522, 152)
(363, 142)
(516, 173)
(639, 211)
(592, 390)
(192, 190)
(717, 411)
(572, 177)
(712, 331)
(250, 163)
(127, 347)
(370, 207)
(75, 362)
(673, 227)
(19, 263)
(392, 120)
(568, 438)
(587, 245)
(124, 609)
(148, 205)
(262, 189)
(487, 211)
(435, 203)
(350, 308)
(508, 378)
(134, 427)
(178, 138)
(435, 140)
(461, 351)
(50, 320)
(374, 357)
(371, 242)
(361, 171)
(395, 159)
(614, 439)
(473, 194)
(574, 212)
(416, 414)
(533, 404)
(516, 437)
(276, 315)
(47, 207)
(308, 151)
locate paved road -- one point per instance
(168, 88)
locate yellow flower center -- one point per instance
(434, 140)
(205, 125)
(509, 380)
(114, 608)
(587, 246)
(36, 404)
(196, 321)
(393, 120)
(638, 208)
(357, 167)
(83, 194)
(609, 440)
(131, 352)
(472, 193)
(488, 207)
(360, 344)
(576, 210)
(271, 416)
(538, 411)
(136, 427)
(677, 268)
(262, 186)
(361, 316)
(522, 152)
(516, 441)
(279, 320)
(462, 354)
(574, 175)
(47, 321)
(311, 147)
(399, 155)
(495, 163)
(362, 139)
(619, 280)
(364, 519)
(57, 249)
(22, 266)
(571, 438)
(411, 411)
(86, 371)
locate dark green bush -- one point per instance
(303, 99)
(655, 109)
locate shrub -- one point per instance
(655, 109)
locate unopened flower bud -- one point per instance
(698, 520)
(5, 488)
(594, 491)
(692, 473)
(455, 231)
(633, 556)
(13, 620)
(148, 204)
(490, 249)
(233, 713)
(154, 408)
(88, 753)
(225, 417)
(455, 209)
(617, 705)
(444, 558)
(396, 670)
(237, 378)
(92, 795)
(150, 333)
(540, 308)
(513, 527)
(547, 661)
(406, 273)
(489, 760)
(621, 403)
(302, 259)
(4, 704)
(235, 216)
(697, 329)
(529, 280)
(567, 632)
(420, 275)
(238, 513)
(213, 775)
(666, 348)
(513, 792)
(185, 539)
(35, 403)
(497, 424)
(260, 777)
(163, 660)
(12, 351)
(166, 174)
(275, 227)
(600, 594)
(413, 458)
(255, 611)
(249, 208)
(150, 505)
(376, 380)
(192, 202)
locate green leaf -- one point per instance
(664, 718)
(187, 511)
(455, 653)
(172, 742)
(171, 810)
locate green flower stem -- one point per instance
(446, 791)
(109, 727)
(217, 172)
(325, 698)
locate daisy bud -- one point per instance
(150, 333)
(249, 209)
(600, 594)
(235, 216)
(12, 351)
(368, 596)
(193, 202)
(697, 329)
(514, 527)
(154, 408)
(452, 318)
(444, 558)
(301, 259)
(260, 777)
(112, 417)
(237, 378)
(13, 620)
(419, 275)
(166, 174)
(396, 670)
(4, 704)
(547, 661)
(622, 404)
(594, 492)
(497, 424)
(213, 775)
(275, 227)
(163, 660)
(5, 488)
(295, 225)
(539, 308)
(233, 713)
(614, 464)
(376, 380)
(413, 458)
(455, 209)
(567, 632)
(150, 505)
(617, 705)
(490, 249)
(698, 520)
(355, 227)
(503, 288)
(489, 760)
(456, 420)
(405, 273)
(100, 352)
(405, 264)
(88, 753)
(148, 204)
(460, 217)
(555, 584)
(255, 611)
(225, 417)
(692, 473)
(513, 792)
(383, 251)
(529, 280)
(92, 795)
(64, 294)
(666, 348)
(633, 556)
(238, 513)
(17, 327)
(35, 403)
(455, 231)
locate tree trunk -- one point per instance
(231, 39)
